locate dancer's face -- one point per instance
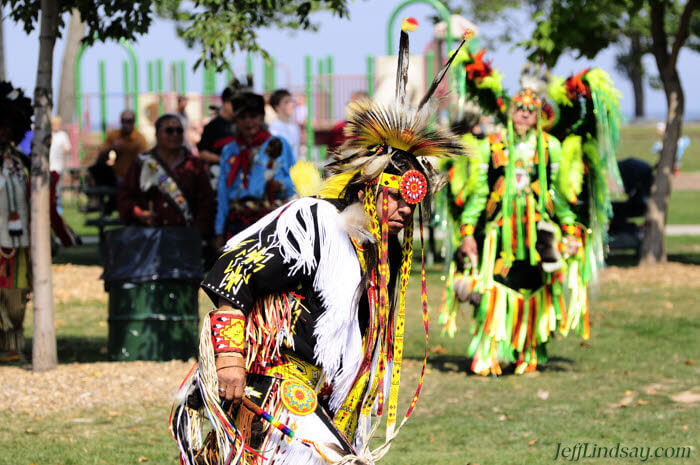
(524, 119)
(399, 212)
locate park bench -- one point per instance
(103, 219)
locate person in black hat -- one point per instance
(254, 170)
(217, 133)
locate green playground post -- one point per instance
(125, 82)
(209, 85)
(173, 77)
(309, 109)
(273, 75)
(149, 72)
(135, 92)
(329, 100)
(78, 89)
(135, 80)
(249, 65)
(183, 84)
(103, 97)
(269, 74)
(159, 81)
(370, 76)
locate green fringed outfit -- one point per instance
(504, 198)
(524, 210)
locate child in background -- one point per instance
(285, 126)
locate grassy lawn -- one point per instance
(637, 140)
(76, 219)
(684, 207)
(619, 386)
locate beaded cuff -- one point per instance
(228, 333)
(466, 230)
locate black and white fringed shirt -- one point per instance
(302, 249)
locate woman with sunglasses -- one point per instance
(167, 186)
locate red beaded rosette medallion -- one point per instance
(413, 186)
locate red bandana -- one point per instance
(241, 162)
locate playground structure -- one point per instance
(324, 92)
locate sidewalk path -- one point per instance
(683, 229)
(671, 230)
(686, 181)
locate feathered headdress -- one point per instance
(15, 110)
(483, 84)
(378, 132)
(389, 147)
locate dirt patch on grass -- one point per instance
(89, 386)
(667, 274)
(686, 182)
(78, 283)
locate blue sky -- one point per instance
(349, 41)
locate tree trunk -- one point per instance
(44, 345)
(638, 89)
(653, 243)
(66, 89)
(635, 73)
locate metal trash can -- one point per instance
(152, 276)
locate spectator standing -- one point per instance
(167, 186)
(285, 126)
(683, 143)
(59, 151)
(254, 171)
(216, 134)
(126, 143)
(118, 151)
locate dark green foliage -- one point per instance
(225, 27)
(586, 28)
(111, 19)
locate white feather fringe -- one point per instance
(336, 275)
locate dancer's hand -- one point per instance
(470, 249)
(231, 373)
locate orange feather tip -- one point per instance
(409, 24)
